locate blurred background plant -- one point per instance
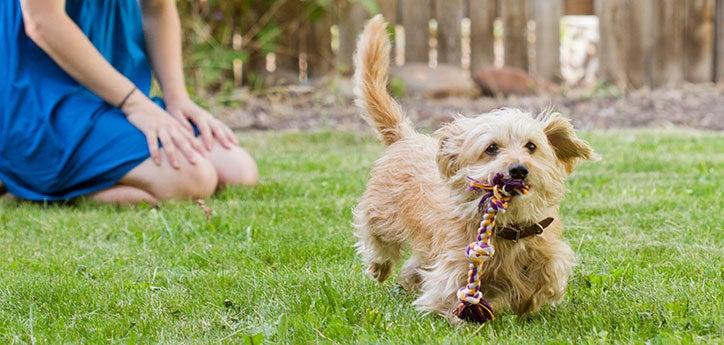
(220, 37)
(232, 43)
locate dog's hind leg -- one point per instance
(378, 249)
(379, 255)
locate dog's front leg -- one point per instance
(550, 265)
(440, 283)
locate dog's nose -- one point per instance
(518, 171)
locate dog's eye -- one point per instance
(492, 150)
(531, 147)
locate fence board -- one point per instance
(287, 58)
(719, 77)
(352, 17)
(609, 17)
(547, 15)
(482, 39)
(640, 42)
(667, 58)
(515, 32)
(699, 40)
(415, 20)
(449, 14)
(626, 40)
(320, 57)
(388, 8)
(578, 7)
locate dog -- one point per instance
(417, 196)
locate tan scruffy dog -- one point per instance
(417, 195)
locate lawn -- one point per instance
(275, 263)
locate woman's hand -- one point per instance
(157, 125)
(162, 30)
(184, 110)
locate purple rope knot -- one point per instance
(508, 186)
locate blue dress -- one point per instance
(58, 140)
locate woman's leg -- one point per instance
(151, 183)
(163, 182)
(234, 166)
(124, 195)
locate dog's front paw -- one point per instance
(379, 271)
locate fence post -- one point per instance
(578, 7)
(416, 19)
(288, 49)
(640, 45)
(350, 21)
(698, 41)
(388, 8)
(515, 32)
(482, 39)
(319, 54)
(625, 36)
(719, 77)
(449, 15)
(667, 58)
(547, 15)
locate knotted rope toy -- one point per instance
(498, 192)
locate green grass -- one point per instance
(276, 262)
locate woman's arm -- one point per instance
(48, 25)
(162, 28)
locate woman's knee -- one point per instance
(236, 167)
(198, 181)
(247, 174)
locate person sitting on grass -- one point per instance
(75, 115)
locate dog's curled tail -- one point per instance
(371, 62)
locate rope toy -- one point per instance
(498, 192)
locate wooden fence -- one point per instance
(642, 42)
(661, 42)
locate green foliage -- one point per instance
(397, 87)
(276, 263)
(260, 27)
(370, 5)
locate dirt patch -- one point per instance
(307, 108)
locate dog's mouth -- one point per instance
(519, 183)
(523, 182)
(499, 183)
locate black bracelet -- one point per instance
(120, 105)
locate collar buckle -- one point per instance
(539, 229)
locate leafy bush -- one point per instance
(219, 33)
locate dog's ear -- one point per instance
(568, 147)
(448, 149)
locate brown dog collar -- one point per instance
(514, 233)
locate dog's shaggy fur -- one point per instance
(417, 194)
